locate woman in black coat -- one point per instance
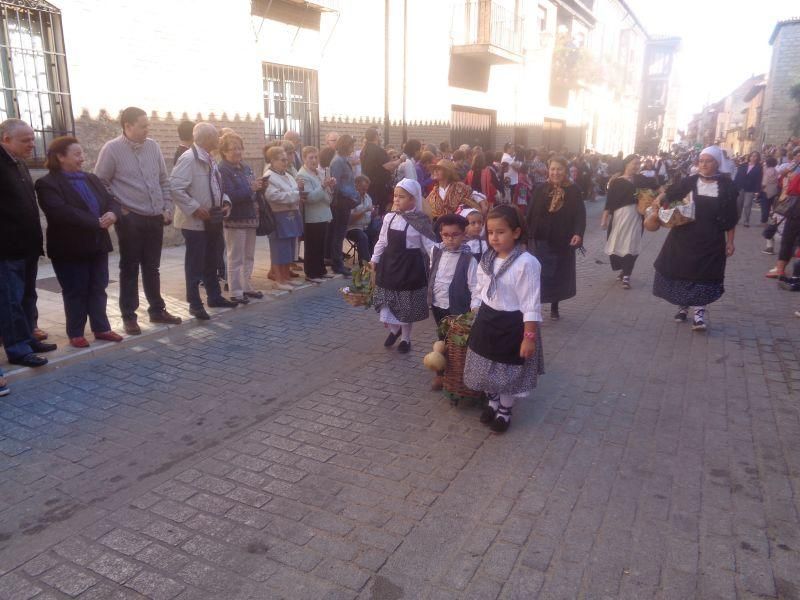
(556, 223)
(79, 211)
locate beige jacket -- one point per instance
(189, 184)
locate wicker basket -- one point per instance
(355, 298)
(454, 371)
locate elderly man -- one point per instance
(296, 156)
(133, 169)
(331, 139)
(20, 247)
(196, 190)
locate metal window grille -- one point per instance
(473, 126)
(291, 102)
(33, 70)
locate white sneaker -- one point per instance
(315, 279)
(296, 282)
(329, 275)
(797, 313)
(284, 286)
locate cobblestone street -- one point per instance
(282, 452)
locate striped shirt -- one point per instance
(136, 175)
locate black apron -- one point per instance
(401, 268)
(497, 335)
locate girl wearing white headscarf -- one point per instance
(399, 263)
(690, 269)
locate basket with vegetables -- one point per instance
(455, 330)
(678, 212)
(359, 292)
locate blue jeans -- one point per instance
(83, 288)
(203, 254)
(17, 306)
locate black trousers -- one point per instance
(438, 315)
(791, 233)
(83, 288)
(337, 232)
(314, 235)
(623, 263)
(203, 253)
(140, 241)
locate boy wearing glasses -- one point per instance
(452, 286)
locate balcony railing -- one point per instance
(487, 30)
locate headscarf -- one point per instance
(466, 211)
(715, 152)
(487, 264)
(414, 190)
(416, 218)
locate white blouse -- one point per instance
(707, 188)
(414, 239)
(444, 277)
(517, 289)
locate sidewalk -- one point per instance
(173, 288)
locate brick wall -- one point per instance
(428, 132)
(93, 132)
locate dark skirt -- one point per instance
(485, 375)
(558, 278)
(408, 306)
(681, 292)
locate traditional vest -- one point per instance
(460, 296)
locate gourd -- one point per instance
(439, 347)
(435, 361)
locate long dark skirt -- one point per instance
(681, 292)
(558, 272)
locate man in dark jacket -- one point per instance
(20, 247)
(748, 180)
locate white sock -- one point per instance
(406, 328)
(699, 311)
(506, 404)
(494, 401)
(395, 329)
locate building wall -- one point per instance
(783, 74)
(202, 61)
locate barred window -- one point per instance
(291, 102)
(33, 70)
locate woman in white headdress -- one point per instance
(400, 264)
(690, 269)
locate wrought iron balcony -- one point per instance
(487, 32)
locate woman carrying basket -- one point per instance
(690, 269)
(400, 265)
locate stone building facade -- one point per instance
(784, 72)
(475, 70)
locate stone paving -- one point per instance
(51, 306)
(281, 452)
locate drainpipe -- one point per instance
(386, 72)
(405, 70)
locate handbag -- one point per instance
(266, 218)
(785, 206)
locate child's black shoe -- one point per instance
(488, 415)
(391, 339)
